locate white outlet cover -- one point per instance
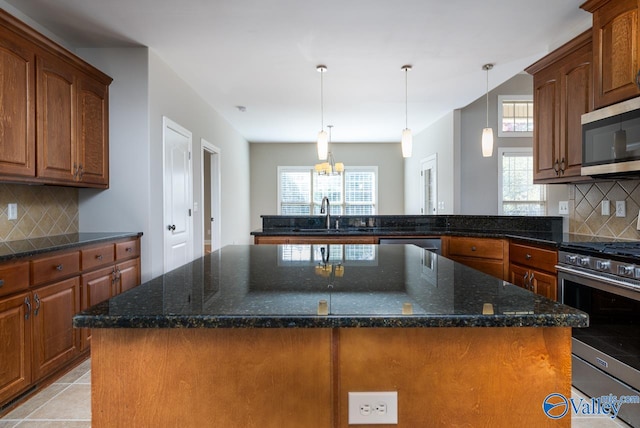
(605, 207)
(387, 400)
(12, 212)
(621, 209)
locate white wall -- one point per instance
(124, 207)
(265, 159)
(439, 138)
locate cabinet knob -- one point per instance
(129, 249)
(99, 257)
(59, 267)
(473, 248)
(527, 256)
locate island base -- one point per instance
(497, 377)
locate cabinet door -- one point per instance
(544, 284)
(56, 107)
(17, 106)
(97, 286)
(575, 100)
(519, 276)
(546, 111)
(616, 51)
(128, 275)
(54, 338)
(93, 132)
(15, 336)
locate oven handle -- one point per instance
(608, 284)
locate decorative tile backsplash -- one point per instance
(586, 213)
(42, 211)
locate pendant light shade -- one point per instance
(323, 138)
(407, 139)
(487, 133)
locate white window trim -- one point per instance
(310, 169)
(501, 99)
(501, 152)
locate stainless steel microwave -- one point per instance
(611, 140)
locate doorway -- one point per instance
(428, 184)
(211, 221)
(178, 195)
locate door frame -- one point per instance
(216, 196)
(170, 124)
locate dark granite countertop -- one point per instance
(30, 247)
(363, 286)
(538, 230)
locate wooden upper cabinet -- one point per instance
(54, 121)
(93, 132)
(17, 106)
(616, 50)
(56, 108)
(562, 93)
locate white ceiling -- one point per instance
(262, 54)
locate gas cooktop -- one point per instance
(622, 249)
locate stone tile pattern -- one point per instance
(585, 208)
(42, 211)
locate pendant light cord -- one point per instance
(406, 98)
(321, 100)
(487, 68)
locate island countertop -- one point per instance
(327, 286)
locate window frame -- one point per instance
(512, 134)
(311, 171)
(501, 153)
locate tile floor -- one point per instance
(66, 403)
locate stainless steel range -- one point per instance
(603, 280)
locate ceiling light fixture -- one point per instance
(487, 133)
(330, 167)
(407, 138)
(323, 142)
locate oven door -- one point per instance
(606, 355)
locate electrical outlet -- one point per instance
(12, 212)
(563, 207)
(373, 408)
(605, 207)
(621, 209)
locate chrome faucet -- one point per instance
(326, 210)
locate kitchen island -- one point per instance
(277, 336)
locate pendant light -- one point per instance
(407, 138)
(323, 138)
(330, 167)
(487, 133)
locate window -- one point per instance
(515, 116)
(517, 193)
(301, 189)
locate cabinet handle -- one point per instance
(1, 282)
(114, 277)
(37, 300)
(562, 165)
(526, 275)
(531, 281)
(527, 256)
(80, 172)
(638, 79)
(28, 303)
(556, 167)
(75, 170)
(59, 267)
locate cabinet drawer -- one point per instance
(127, 249)
(97, 256)
(14, 277)
(474, 247)
(539, 258)
(50, 268)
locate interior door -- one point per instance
(429, 188)
(211, 196)
(178, 224)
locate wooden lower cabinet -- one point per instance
(15, 336)
(487, 255)
(533, 268)
(55, 340)
(39, 297)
